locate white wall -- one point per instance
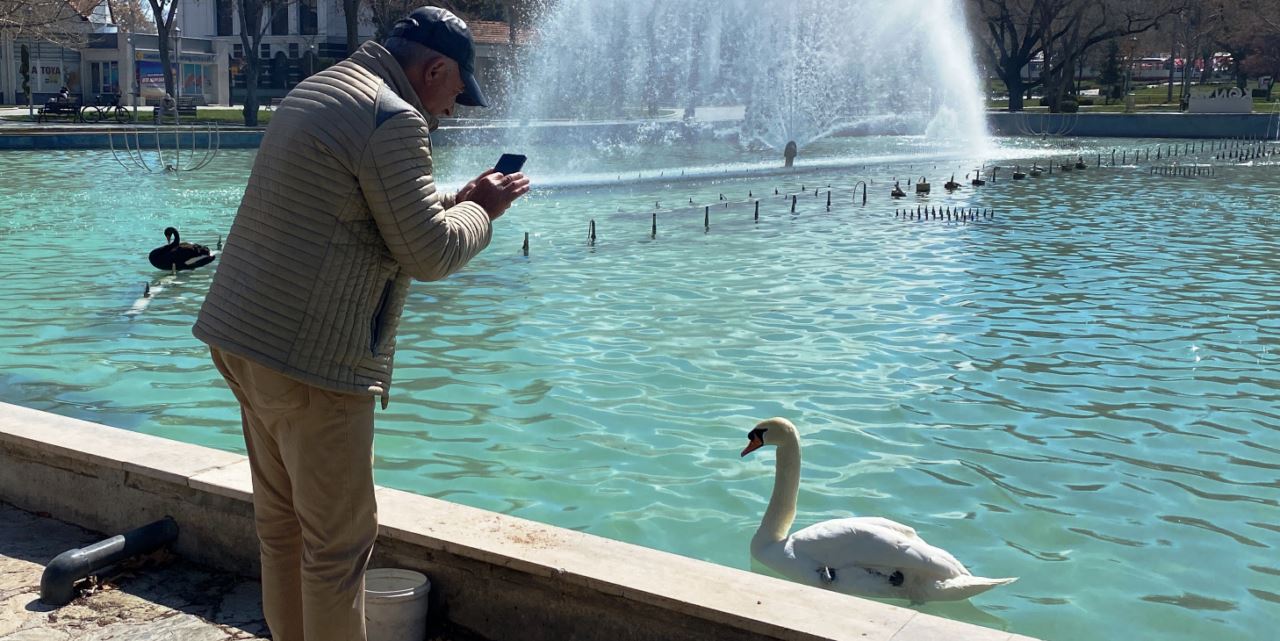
(197, 18)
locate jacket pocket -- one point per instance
(377, 323)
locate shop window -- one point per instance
(104, 78)
(279, 18)
(307, 17)
(223, 10)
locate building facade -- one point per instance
(104, 64)
(301, 38)
(305, 36)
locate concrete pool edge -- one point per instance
(500, 576)
(25, 136)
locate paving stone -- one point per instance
(37, 634)
(174, 628)
(159, 598)
(14, 614)
(242, 607)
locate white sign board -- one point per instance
(1233, 100)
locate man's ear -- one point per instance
(435, 69)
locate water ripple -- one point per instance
(1080, 392)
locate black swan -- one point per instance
(177, 255)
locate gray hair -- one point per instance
(409, 53)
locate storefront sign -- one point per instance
(150, 79)
(49, 75)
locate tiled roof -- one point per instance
(491, 32)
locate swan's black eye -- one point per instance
(757, 434)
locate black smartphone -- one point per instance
(510, 163)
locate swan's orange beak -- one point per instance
(755, 444)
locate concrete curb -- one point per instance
(1136, 125)
(500, 576)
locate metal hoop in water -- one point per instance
(137, 158)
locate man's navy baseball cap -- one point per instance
(441, 31)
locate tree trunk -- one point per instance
(1055, 85)
(351, 11)
(1016, 90)
(1173, 59)
(251, 91)
(691, 100)
(165, 60)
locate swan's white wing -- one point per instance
(201, 259)
(880, 521)
(873, 542)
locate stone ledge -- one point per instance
(502, 576)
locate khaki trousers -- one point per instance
(311, 456)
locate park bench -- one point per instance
(60, 109)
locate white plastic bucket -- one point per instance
(395, 604)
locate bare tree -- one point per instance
(351, 12)
(1016, 32)
(1267, 13)
(54, 21)
(37, 19)
(1010, 39)
(48, 20)
(1197, 28)
(162, 11)
(385, 13)
(253, 27)
(131, 17)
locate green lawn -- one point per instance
(1146, 98)
(223, 116)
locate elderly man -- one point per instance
(340, 213)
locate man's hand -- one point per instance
(465, 192)
(494, 191)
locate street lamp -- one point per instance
(133, 73)
(1128, 75)
(177, 86)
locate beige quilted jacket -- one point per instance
(341, 211)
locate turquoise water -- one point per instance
(1081, 392)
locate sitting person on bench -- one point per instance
(63, 97)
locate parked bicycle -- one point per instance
(107, 107)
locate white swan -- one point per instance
(862, 556)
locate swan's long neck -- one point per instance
(782, 504)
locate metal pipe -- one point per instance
(57, 584)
